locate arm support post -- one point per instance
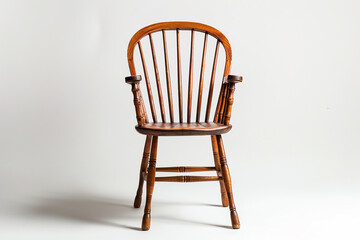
(141, 116)
(231, 81)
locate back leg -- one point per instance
(227, 180)
(224, 198)
(143, 168)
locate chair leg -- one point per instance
(224, 198)
(227, 180)
(150, 184)
(143, 168)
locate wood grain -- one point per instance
(211, 87)
(187, 179)
(227, 180)
(143, 170)
(157, 78)
(201, 82)
(179, 76)
(168, 80)
(148, 86)
(152, 130)
(181, 26)
(185, 169)
(150, 184)
(182, 129)
(190, 86)
(224, 199)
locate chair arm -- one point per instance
(138, 100)
(234, 78)
(231, 80)
(133, 79)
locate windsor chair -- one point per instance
(181, 126)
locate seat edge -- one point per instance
(183, 132)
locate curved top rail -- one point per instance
(182, 26)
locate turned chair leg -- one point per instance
(150, 184)
(227, 180)
(143, 168)
(224, 198)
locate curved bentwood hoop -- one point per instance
(183, 125)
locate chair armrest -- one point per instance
(138, 100)
(234, 78)
(133, 79)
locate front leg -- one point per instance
(150, 184)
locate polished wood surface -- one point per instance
(214, 144)
(135, 88)
(234, 78)
(185, 169)
(187, 179)
(157, 77)
(181, 26)
(150, 184)
(211, 87)
(183, 125)
(143, 170)
(179, 76)
(201, 82)
(227, 180)
(168, 80)
(222, 106)
(177, 129)
(219, 103)
(148, 86)
(191, 74)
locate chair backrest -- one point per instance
(195, 29)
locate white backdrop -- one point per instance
(67, 118)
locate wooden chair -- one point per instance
(182, 126)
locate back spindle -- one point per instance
(168, 80)
(227, 91)
(190, 88)
(218, 105)
(151, 100)
(222, 99)
(158, 84)
(211, 87)
(201, 82)
(179, 76)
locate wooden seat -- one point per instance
(185, 129)
(215, 119)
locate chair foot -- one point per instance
(137, 201)
(234, 219)
(224, 199)
(146, 222)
